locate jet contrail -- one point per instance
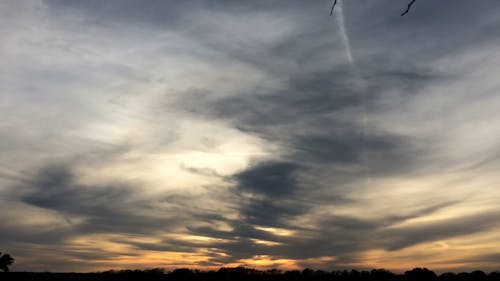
(360, 85)
(343, 33)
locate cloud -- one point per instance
(271, 179)
(107, 208)
(225, 130)
(440, 229)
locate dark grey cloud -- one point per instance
(419, 36)
(303, 96)
(346, 147)
(33, 235)
(340, 236)
(440, 229)
(56, 189)
(343, 237)
(130, 11)
(114, 208)
(160, 12)
(317, 118)
(273, 179)
(271, 212)
(493, 258)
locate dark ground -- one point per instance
(246, 274)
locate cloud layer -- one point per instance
(223, 133)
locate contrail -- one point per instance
(343, 33)
(360, 85)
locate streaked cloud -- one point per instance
(224, 133)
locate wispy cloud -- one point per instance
(214, 133)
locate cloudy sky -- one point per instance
(208, 133)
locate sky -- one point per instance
(266, 134)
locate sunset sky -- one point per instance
(261, 133)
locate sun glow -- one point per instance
(265, 261)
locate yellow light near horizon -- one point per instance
(276, 231)
(154, 259)
(265, 261)
(196, 238)
(440, 255)
(266, 242)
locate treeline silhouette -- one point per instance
(248, 274)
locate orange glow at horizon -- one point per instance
(445, 255)
(265, 262)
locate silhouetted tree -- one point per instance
(478, 275)
(182, 271)
(382, 274)
(418, 274)
(448, 276)
(494, 275)
(249, 274)
(5, 261)
(307, 272)
(274, 271)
